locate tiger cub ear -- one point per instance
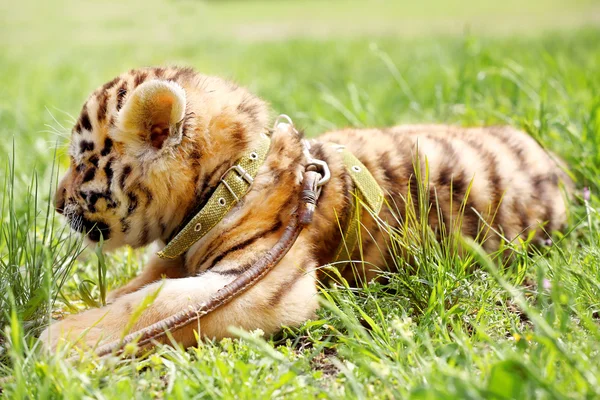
(152, 114)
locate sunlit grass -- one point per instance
(451, 324)
(37, 253)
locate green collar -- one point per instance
(234, 184)
(367, 192)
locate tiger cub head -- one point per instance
(147, 146)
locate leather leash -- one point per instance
(315, 176)
(301, 218)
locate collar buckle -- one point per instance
(242, 173)
(232, 186)
(320, 165)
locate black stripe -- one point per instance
(214, 246)
(540, 184)
(243, 244)
(445, 176)
(86, 145)
(139, 78)
(94, 160)
(133, 202)
(110, 203)
(159, 72)
(89, 175)
(144, 233)
(195, 154)
(459, 184)
(147, 193)
(445, 223)
(494, 178)
(92, 199)
(470, 222)
(409, 170)
(285, 288)
(291, 197)
(184, 73)
(235, 271)
(522, 212)
(102, 106)
(449, 151)
(84, 119)
(125, 226)
(124, 174)
(239, 133)
(121, 93)
(217, 172)
(110, 84)
(108, 144)
(389, 173)
(108, 171)
(444, 180)
(250, 107)
(517, 149)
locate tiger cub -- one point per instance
(150, 146)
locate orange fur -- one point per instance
(122, 185)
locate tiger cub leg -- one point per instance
(286, 296)
(155, 270)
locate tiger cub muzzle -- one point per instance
(74, 212)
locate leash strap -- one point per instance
(234, 184)
(301, 217)
(367, 191)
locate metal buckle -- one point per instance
(322, 165)
(242, 173)
(326, 174)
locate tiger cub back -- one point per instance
(491, 183)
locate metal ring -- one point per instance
(325, 173)
(253, 156)
(222, 201)
(285, 117)
(288, 121)
(356, 168)
(198, 227)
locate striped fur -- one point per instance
(151, 144)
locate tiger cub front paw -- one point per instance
(87, 330)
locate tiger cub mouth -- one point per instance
(94, 230)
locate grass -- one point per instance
(451, 327)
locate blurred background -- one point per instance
(327, 63)
(160, 22)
